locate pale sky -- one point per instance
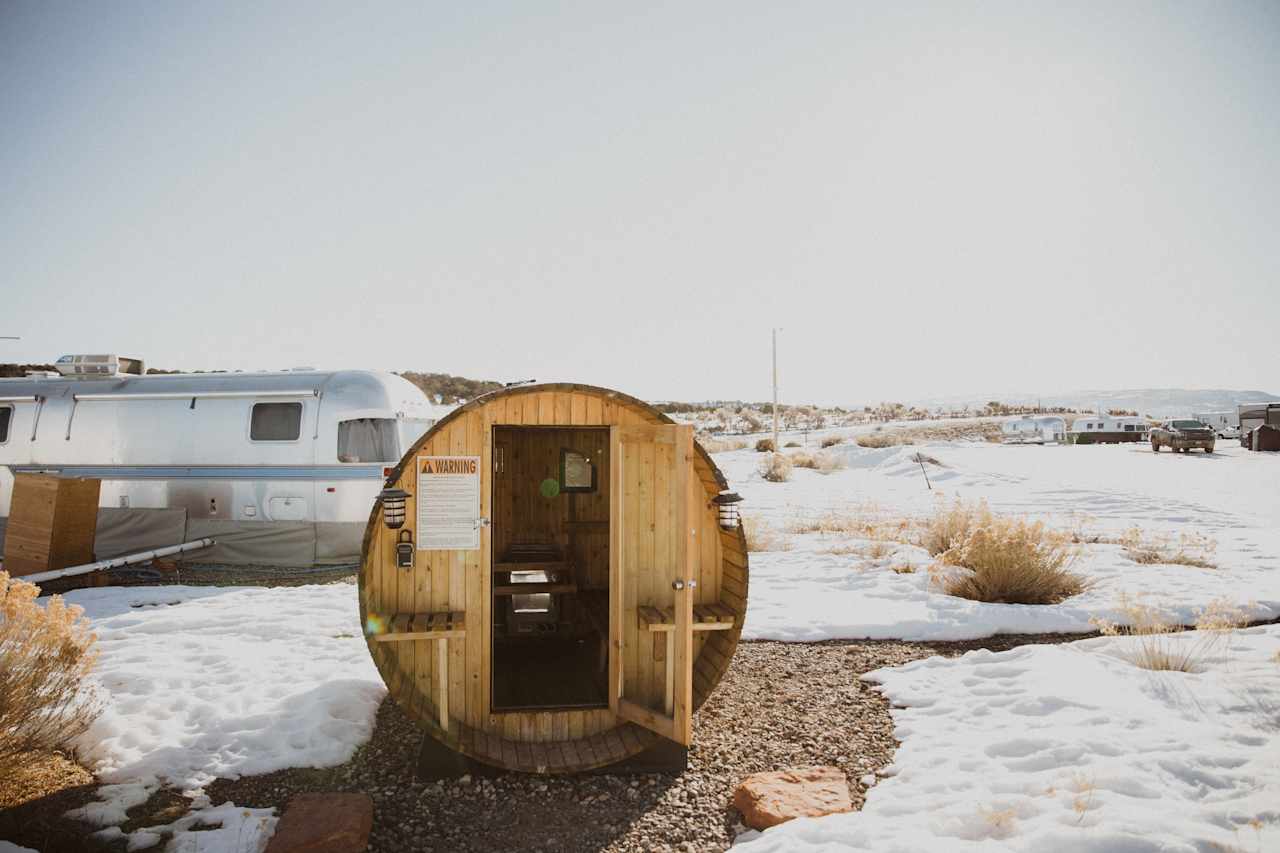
(929, 199)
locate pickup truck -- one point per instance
(1182, 435)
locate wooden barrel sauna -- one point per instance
(572, 598)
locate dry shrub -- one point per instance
(864, 521)
(804, 460)
(1190, 549)
(828, 463)
(1155, 650)
(45, 655)
(903, 569)
(792, 444)
(761, 536)
(775, 468)
(764, 445)
(721, 445)
(832, 441)
(950, 525)
(1002, 560)
(879, 438)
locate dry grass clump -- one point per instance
(792, 444)
(986, 557)
(721, 445)
(804, 459)
(45, 655)
(1190, 549)
(775, 468)
(829, 463)
(764, 445)
(832, 441)
(881, 438)
(762, 536)
(1156, 651)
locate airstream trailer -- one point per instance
(280, 468)
(608, 510)
(1108, 429)
(1037, 429)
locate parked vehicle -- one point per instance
(1108, 429)
(281, 468)
(1223, 424)
(1033, 429)
(1252, 415)
(1182, 434)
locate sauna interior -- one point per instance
(550, 539)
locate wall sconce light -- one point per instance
(393, 507)
(727, 502)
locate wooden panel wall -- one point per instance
(462, 580)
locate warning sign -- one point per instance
(448, 503)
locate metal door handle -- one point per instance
(677, 585)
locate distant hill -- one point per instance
(8, 371)
(443, 388)
(1156, 402)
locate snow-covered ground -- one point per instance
(1231, 497)
(1071, 748)
(205, 682)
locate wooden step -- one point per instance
(706, 617)
(423, 626)
(533, 588)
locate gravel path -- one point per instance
(780, 705)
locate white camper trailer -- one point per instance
(1109, 429)
(280, 468)
(1034, 429)
(1223, 424)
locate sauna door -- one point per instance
(652, 563)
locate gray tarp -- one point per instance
(277, 543)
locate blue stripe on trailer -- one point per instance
(210, 472)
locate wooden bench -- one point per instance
(662, 621)
(706, 617)
(440, 627)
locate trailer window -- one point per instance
(368, 440)
(276, 422)
(6, 415)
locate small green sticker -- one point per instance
(550, 487)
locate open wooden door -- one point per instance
(652, 571)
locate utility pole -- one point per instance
(776, 447)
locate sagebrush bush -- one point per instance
(879, 439)
(803, 459)
(792, 444)
(45, 655)
(1002, 560)
(761, 536)
(775, 468)
(949, 525)
(832, 441)
(764, 445)
(721, 445)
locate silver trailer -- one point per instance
(280, 468)
(1029, 429)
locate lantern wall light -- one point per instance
(393, 507)
(727, 502)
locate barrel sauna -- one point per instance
(572, 596)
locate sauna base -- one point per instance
(437, 761)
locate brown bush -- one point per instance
(792, 444)
(764, 445)
(1003, 560)
(775, 468)
(803, 459)
(832, 441)
(830, 462)
(45, 655)
(880, 438)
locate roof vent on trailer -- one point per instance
(89, 366)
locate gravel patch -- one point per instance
(780, 705)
